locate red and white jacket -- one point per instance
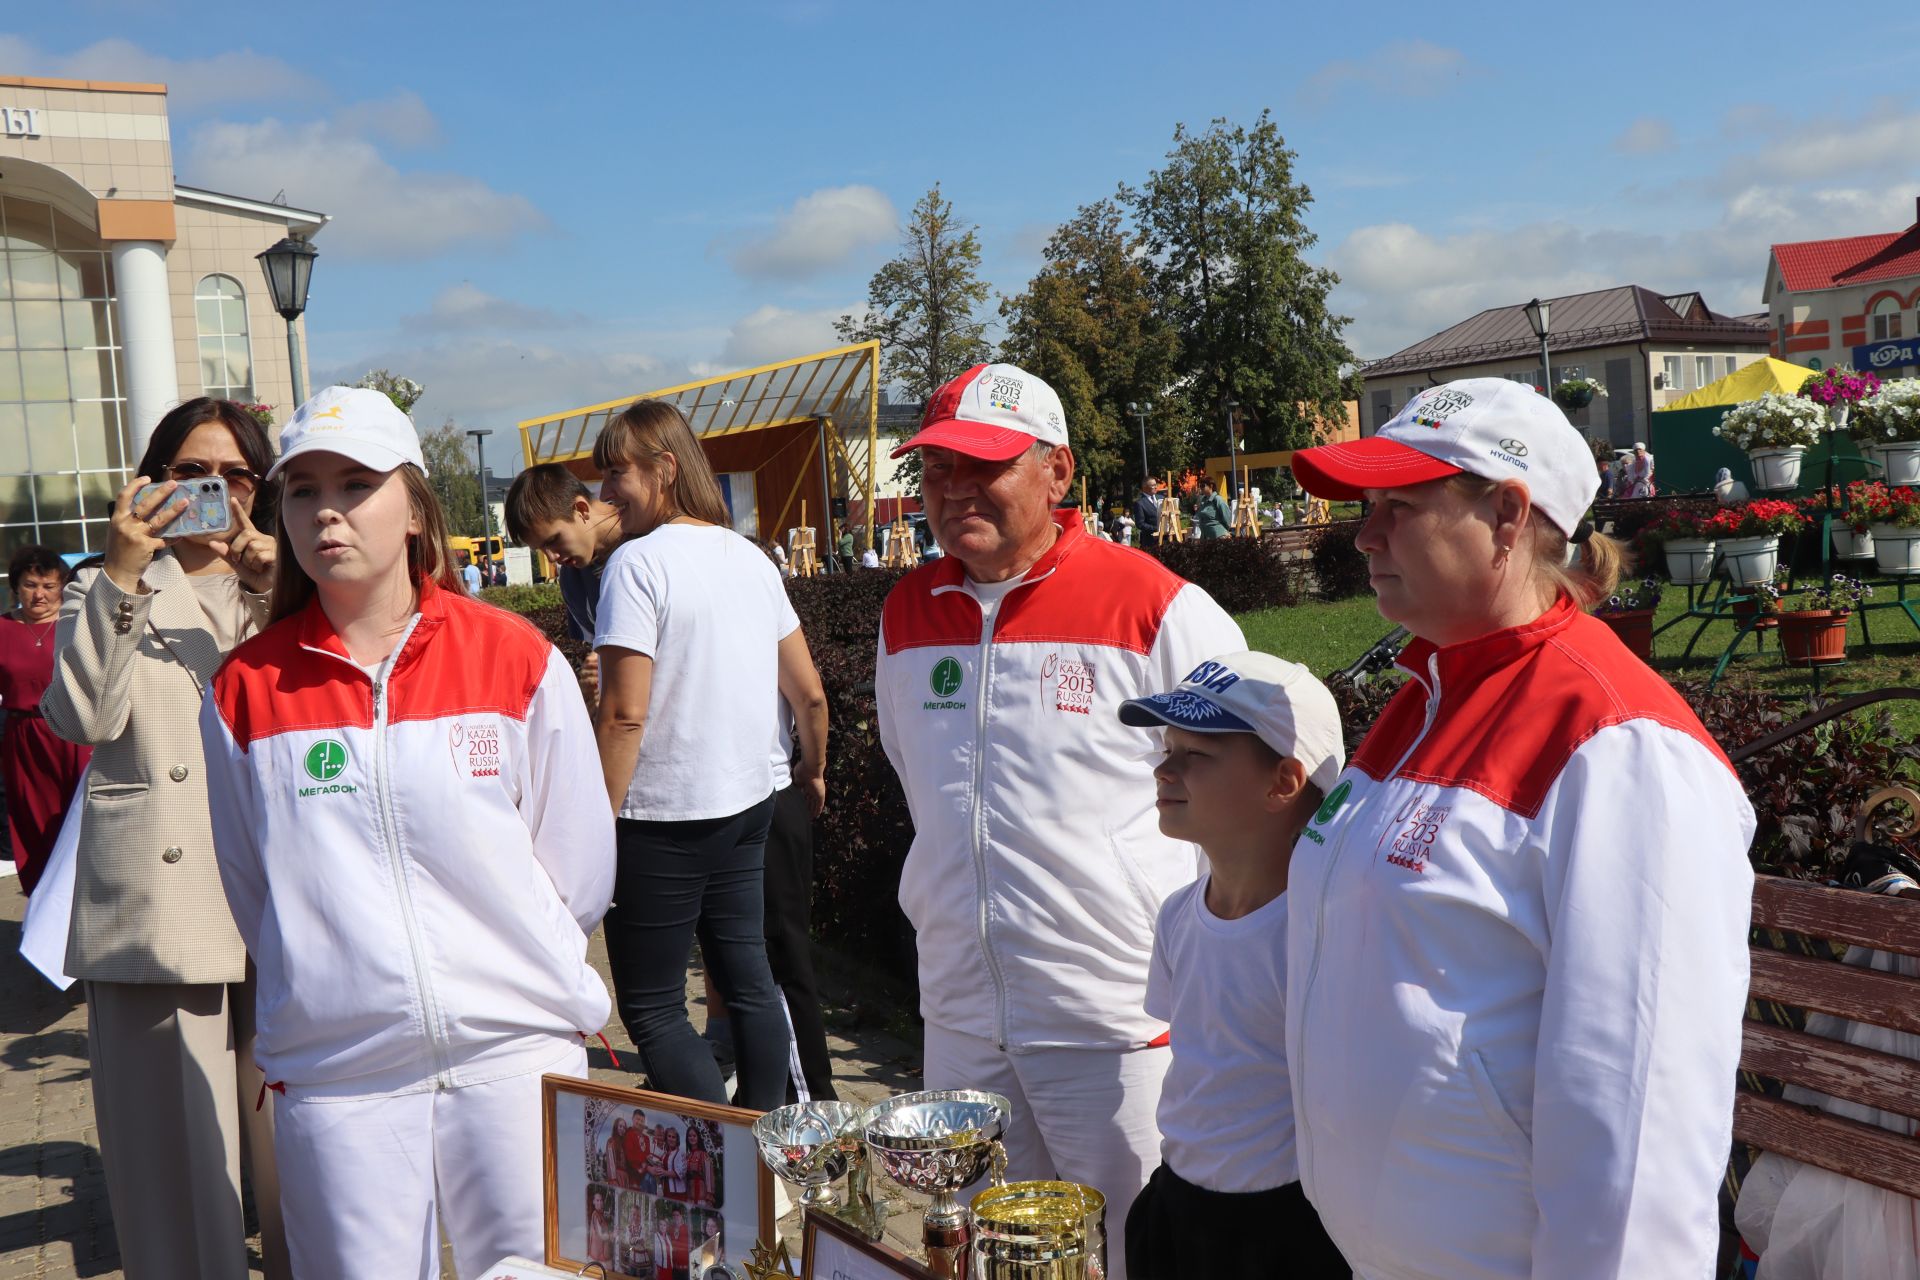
(414, 861)
(1516, 970)
(1038, 868)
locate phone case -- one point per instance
(208, 510)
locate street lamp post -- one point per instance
(1233, 450)
(289, 268)
(1140, 412)
(486, 510)
(1537, 317)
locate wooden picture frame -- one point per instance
(830, 1247)
(722, 1213)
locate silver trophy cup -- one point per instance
(936, 1143)
(808, 1144)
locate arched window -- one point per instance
(226, 359)
(1886, 319)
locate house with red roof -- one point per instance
(1854, 300)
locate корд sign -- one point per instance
(1887, 355)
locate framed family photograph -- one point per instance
(833, 1250)
(650, 1186)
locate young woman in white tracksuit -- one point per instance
(1517, 957)
(389, 769)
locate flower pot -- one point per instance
(1901, 458)
(1814, 637)
(1849, 545)
(1689, 560)
(1573, 399)
(1776, 469)
(1750, 562)
(1635, 629)
(1896, 550)
(1746, 607)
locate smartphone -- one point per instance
(206, 512)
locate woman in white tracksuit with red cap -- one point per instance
(1517, 956)
(390, 765)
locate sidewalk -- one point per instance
(54, 1219)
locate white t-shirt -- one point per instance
(990, 594)
(1226, 1108)
(710, 610)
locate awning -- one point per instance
(1749, 382)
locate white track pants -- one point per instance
(1083, 1115)
(365, 1182)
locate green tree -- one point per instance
(1087, 324)
(922, 305)
(452, 472)
(1224, 225)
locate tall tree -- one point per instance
(1224, 224)
(404, 392)
(1087, 324)
(453, 473)
(922, 306)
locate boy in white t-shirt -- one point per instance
(1252, 743)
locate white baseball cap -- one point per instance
(991, 411)
(355, 423)
(1277, 701)
(1489, 427)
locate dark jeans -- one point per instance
(788, 925)
(676, 881)
(1177, 1231)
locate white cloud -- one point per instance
(1880, 143)
(335, 167)
(1401, 283)
(402, 120)
(822, 230)
(465, 308)
(769, 334)
(1644, 136)
(1405, 68)
(239, 75)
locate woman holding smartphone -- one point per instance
(169, 995)
(393, 768)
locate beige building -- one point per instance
(121, 294)
(1852, 301)
(1646, 349)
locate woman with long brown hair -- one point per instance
(698, 645)
(169, 990)
(390, 765)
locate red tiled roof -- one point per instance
(1829, 264)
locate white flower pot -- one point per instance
(1750, 562)
(1896, 549)
(1689, 560)
(1849, 545)
(1901, 458)
(1776, 469)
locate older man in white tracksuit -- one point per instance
(1037, 866)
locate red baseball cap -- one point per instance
(992, 411)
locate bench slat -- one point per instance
(1864, 995)
(1849, 1071)
(1862, 1151)
(1843, 915)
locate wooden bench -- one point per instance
(1892, 1083)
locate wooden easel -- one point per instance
(801, 553)
(902, 551)
(1246, 521)
(1318, 511)
(1172, 528)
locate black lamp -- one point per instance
(289, 268)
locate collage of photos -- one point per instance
(655, 1194)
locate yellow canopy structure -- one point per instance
(792, 425)
(1749, 382)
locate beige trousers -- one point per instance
(174, 1092)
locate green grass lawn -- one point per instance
(1325, 637)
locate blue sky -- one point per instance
(542, 206)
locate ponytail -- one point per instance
(1589, 576)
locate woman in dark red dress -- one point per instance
(40, 770)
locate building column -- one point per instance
(143, 311)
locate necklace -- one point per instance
(40, 641)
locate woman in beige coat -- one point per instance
(169, 995)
